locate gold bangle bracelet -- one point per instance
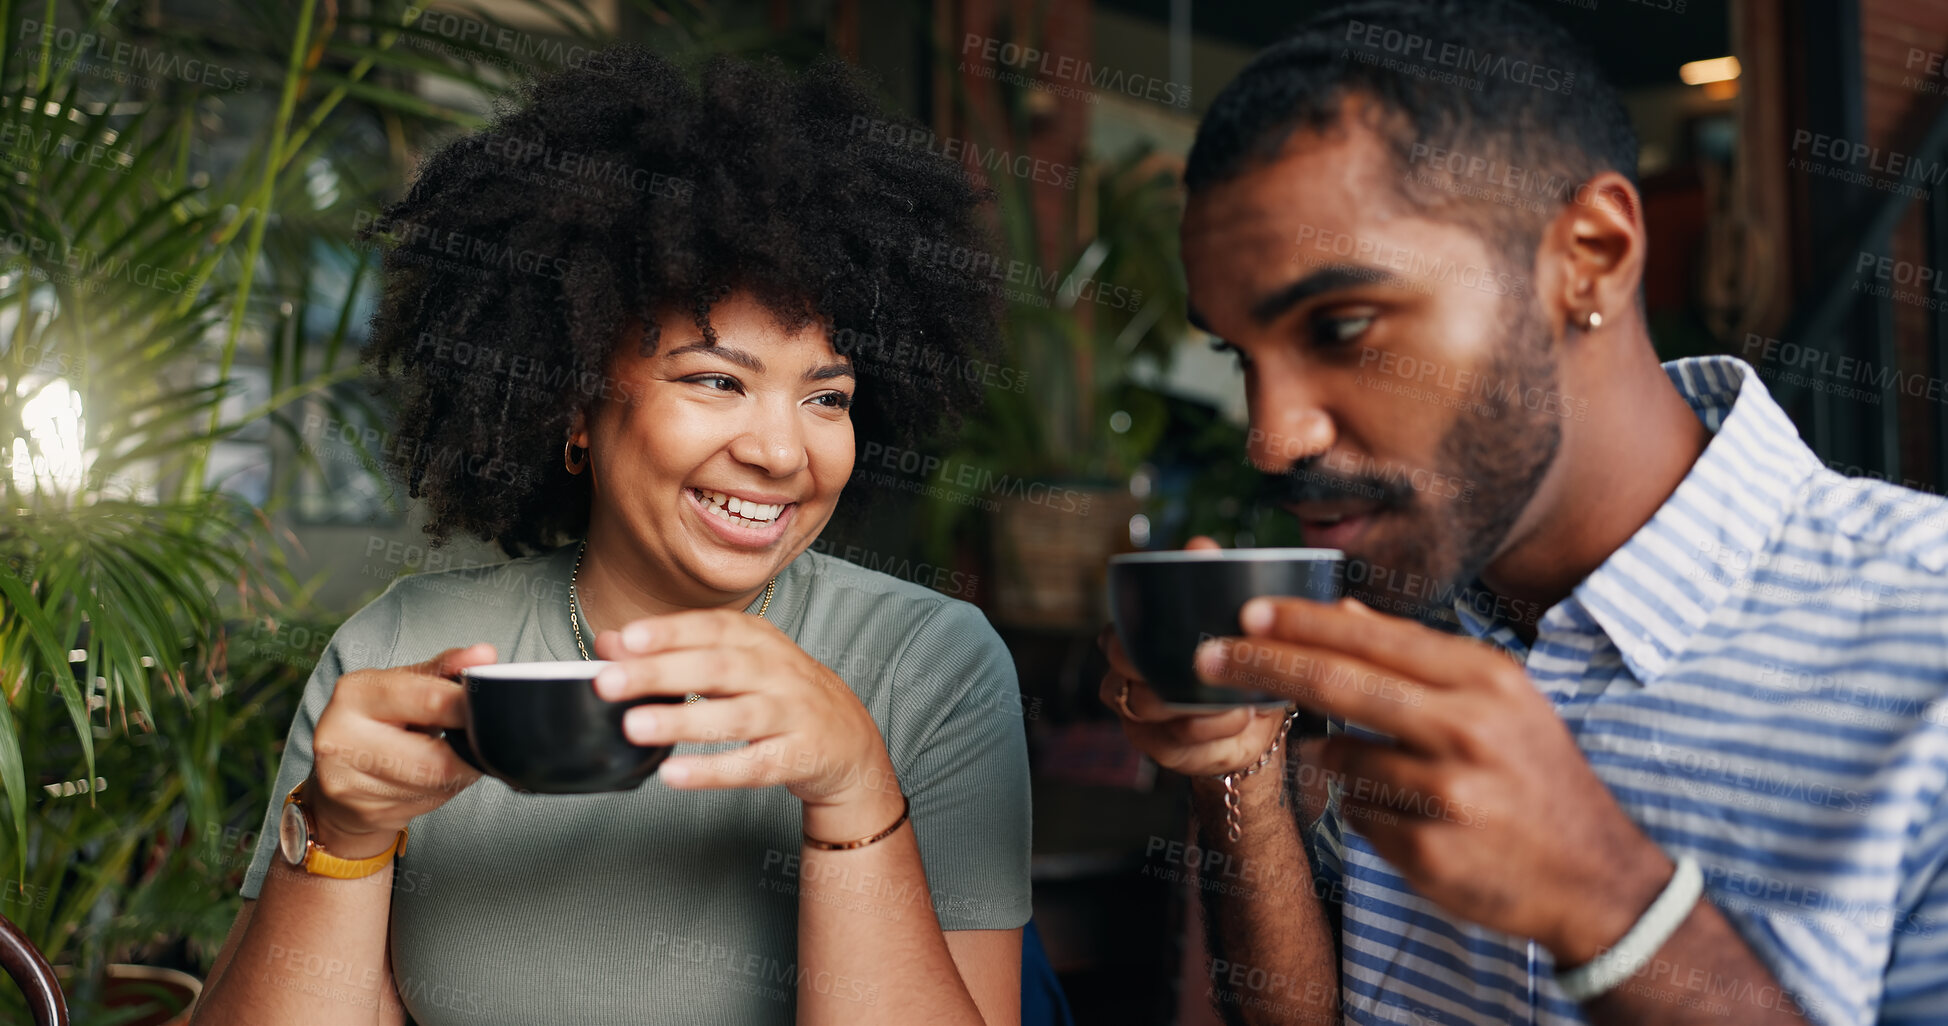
(906, 809)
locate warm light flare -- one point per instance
(1717, 69)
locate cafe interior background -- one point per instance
(193, 499)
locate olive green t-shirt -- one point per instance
(663, 906)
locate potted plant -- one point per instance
(138, 867)
(1063, 448)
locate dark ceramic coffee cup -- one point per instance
(1166, 604)
(541, 727)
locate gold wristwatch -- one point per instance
(297, 839)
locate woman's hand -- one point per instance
(806, 729)
(372, 772)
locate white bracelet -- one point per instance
(1604, 972)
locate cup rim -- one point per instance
(1226, 556)
(577, 669)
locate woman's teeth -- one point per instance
(732, 508)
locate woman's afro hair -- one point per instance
(596, 198)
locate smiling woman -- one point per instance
(729, 457)
(628, 288)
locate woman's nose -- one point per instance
(773, 444)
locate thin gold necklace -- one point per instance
(575, 607)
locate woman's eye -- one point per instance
(1337, 331)
(717, 382)
(833, 400)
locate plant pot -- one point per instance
(1052, 544)
(129, 986)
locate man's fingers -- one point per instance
(1111, 686)
(1391, 795)
(1198, 728)
(1171, 736)
(1146, 707)
(1347, 627)
(1181, 744)
(1119, 660)
(1380, 776)
(1327, 683)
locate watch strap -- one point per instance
(319, 862)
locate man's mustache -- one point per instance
(1305, 481)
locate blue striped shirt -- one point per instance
(1760, 677)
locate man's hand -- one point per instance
(1196, 743)
(1290, 937)
(1485, 804)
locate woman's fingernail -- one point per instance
(639, 725)
(610, 681)
(635, 637)
(1256, 616)
(675, 773)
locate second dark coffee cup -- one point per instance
(541, 727)
(1166, 604)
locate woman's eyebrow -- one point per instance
(755, 365)
(734, 355)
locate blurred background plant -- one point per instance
(1055, 458)
(1119, 305)
(179, 289)
(1088, 460)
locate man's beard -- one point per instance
(1497, 459)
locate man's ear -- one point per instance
(1596, 248)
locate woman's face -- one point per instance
(720, 463)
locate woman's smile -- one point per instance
(741, 519)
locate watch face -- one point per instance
(292, 834)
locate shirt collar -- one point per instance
(1675, 571)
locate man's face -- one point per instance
(1400, 375)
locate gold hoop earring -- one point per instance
(568, 459)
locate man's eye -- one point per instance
(1337, 331)
(717, 382)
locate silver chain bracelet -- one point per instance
(1233, 820)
